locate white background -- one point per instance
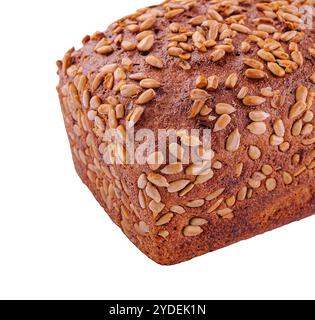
(55, 240)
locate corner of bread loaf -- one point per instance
(242, 72)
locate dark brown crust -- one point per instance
(265, 210)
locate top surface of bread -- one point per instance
(244, 69)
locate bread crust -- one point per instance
(254, 200)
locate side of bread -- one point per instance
(245, 70)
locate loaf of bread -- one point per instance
(243, 69)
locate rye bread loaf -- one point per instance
(245, 70)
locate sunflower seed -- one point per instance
(213, 30)
(299, 171)
(285, 146)
(196, 108)
(198, 94)
(225, 213)
(187, 47)
(165, 219)
(297, 57)
(175, 51)
(113, 123)
(213, 83)
(154, 62)
(216, 55)
(289, 65)
(99, 123)
(217, 165)
(97, 81)
(230, 202)
(254, 153)
(245, 46)
(146, 43)
(287, 36)
(276, 69)
(258, 176)
(164, 234)
(222, 122)
(275, 140)
(153, 192)
(155, 160)
(141, 199)
(255, 74)
(278, 101)
(308, 142)
(215, 194)
(267, 92)
(271, 184)
(279, 128)
(253, 63)
(258, 116)
(301, 94)
(307, 129)
(137, 76)
(173, 13)
(215, 206)
(257, 128)
(253, 100)
(198, 168)
(255, 184)
(142, 228)
(312, 52)
(179, 38)
(173, 168)
(281, 55)
(177, 209)
(215, 15)
(129, 90)
(239, 169)
(204, 177)
(266, 169)
(192, 231)
(287, 178)
(201, 82)
(233, 141)
(308, 116)
(265, 55)
(142, 181)
(177, 186)
(224, 108)
(297, 109)
(198, 37)
(128, 45)
(135, 116)
(240, 28)
(312, 78)
(157, 180)
(150, 84)
(146, 97)
(266, 28)
(231, 81)
(147, 24)
(186, 190)
(297, 128)
(105, 50)
(109, 68)
(242, 93)
(198, 222)
(241, 195)
(195, 203)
